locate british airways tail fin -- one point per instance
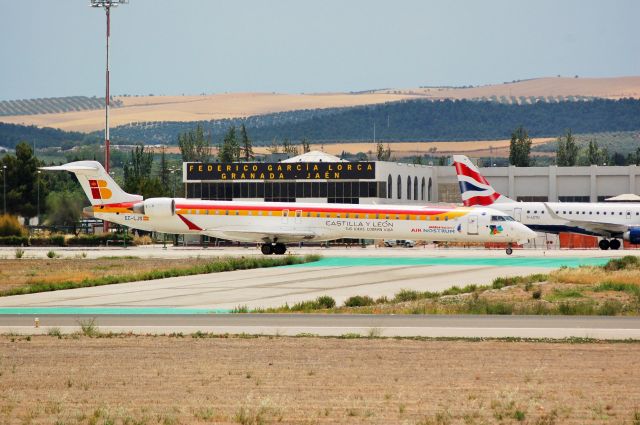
(96, 183)
(474, 188)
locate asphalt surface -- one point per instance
(467, 326)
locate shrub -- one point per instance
(537, 294)
(406, 295)
(10, 226)
(14, 240)
(626, 262)
(19, 252)
(142, 240)
(51, 254)
(326, 301)
(359, 301)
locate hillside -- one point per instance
(239, 105)
(411, 120)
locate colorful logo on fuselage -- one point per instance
(495, 229)
(99, 189)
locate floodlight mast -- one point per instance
(107, 5)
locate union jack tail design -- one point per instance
(474, 188)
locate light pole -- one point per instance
(173, 171)
(4, 189)
(107, 5)
(38, 183)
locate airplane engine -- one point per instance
(156, 207)
(632, 235)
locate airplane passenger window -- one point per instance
(387, 216)
(446, 218)
(226, 212)
(528, 211)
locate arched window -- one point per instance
(422, 190)
(415, 188)
(399, 187)
(409, 187)
(390, 187)
(429, 194)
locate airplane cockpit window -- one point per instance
(497, 218)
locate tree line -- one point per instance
(411, 120)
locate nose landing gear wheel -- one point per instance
(279, 249)
(509, 250)
(267, 249)
(603, 244)
(614, 244)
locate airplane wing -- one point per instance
(603, 228)
(261, 235)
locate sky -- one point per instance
(57, 48)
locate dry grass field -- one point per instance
(22, 272)
(610, 88)
(197, 108)
(229, 105)
(270, 380)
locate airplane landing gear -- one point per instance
(603, 244)
(509, 249)
(614, 244)
(277, 248)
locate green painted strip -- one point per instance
(446, 261)
(109, 310)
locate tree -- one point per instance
(229, 151)
(247, 149)
(520, 148)
(138, 177)
(164, 174)
(593, 153)
(64, 207)
(567, 152)
(21, 178)
(289, 148)
(306, 146)
(274, 147)
(194, 145)
(383, 154)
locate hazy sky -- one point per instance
(56, 48)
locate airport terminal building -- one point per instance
(311, 177)
(324, 178)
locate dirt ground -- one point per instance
(184, 380)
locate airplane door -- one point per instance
(285, 216)
(472, 225)
(517, 214)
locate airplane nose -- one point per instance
(526, 232)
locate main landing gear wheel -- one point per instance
(278, 248)
(603, 244)
(509, 250)
(614, 244)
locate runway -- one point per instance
(471, 326)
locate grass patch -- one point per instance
(213, 266)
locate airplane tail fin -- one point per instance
(474, 188)
(97, 184)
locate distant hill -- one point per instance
(411, 120)
(12, 134)
(241, 105)
(53, 105)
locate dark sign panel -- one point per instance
(197, 171)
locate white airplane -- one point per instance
(275, 224)
(609, 220)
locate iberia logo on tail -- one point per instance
(99, 189)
